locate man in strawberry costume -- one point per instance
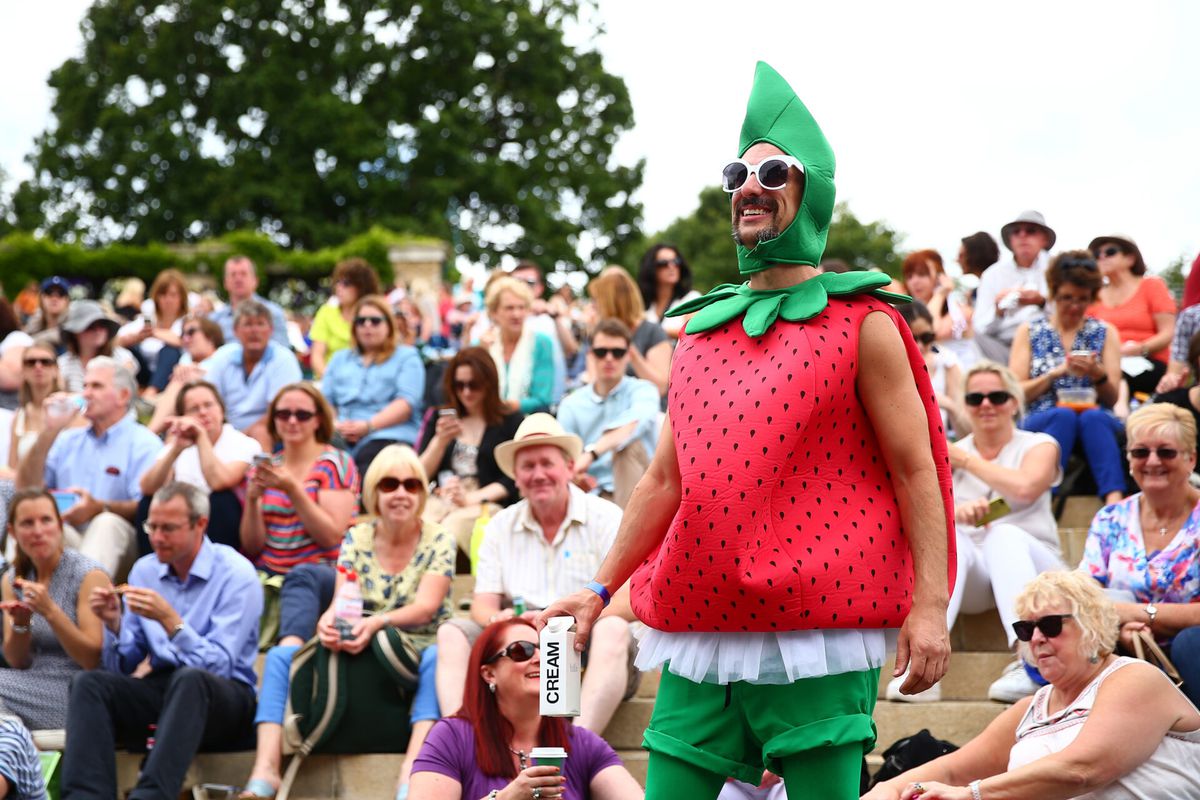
(795, 522)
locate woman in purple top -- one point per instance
(482, 752)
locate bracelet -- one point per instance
(25, 628)
(600, 589)
(975, 793)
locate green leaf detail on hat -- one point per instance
(760, 309)
(774, 114)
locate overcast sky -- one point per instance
(946, 117)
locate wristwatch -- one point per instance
(1151, 612)
(591, 451)
(175, 630)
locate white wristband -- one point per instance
(975, 793)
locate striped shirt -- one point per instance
(19, 762)
(287, 542)
(516, 560)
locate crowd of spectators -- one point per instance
(154, 443)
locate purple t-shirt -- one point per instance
(450, 750)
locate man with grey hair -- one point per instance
(95, 470)
(251, 371)
(192, 607)
(241, 282)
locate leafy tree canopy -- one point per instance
(705, 239)
(311, 121)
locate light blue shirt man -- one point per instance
(247, 397)
(109, 466)
(223, 316)
(589, 415)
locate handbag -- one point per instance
(344, 703)
(268, 623)
(1154, 654)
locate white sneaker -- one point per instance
(930, 695)
(1013, 684)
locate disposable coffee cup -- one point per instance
(549, 757)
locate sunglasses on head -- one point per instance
(34, 361)
(667, 262)
(462, 386)
(1050, 625)
(369, 321)
(300, 414)
(996, 398)
(1079, 261)
(389, 484)
(1163, 453)
(772, 173)
(1108, 252)
(604, 352)
(926, 337)
(517, 651)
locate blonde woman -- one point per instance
(618, 297)
(524, 358)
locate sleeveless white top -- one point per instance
(1172, 771)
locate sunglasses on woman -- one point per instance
(462, 386)
(1163, 453)
(190, 332)
(927, 337)
(667, 262)
(38, 362)
(997, 398)
(772, 173)
(369, 321)
(389, 484)
(1107, 252)
(1050, 626)
(517, 651)
(300, 414)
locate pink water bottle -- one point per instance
(348, 606)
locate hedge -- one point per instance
(25, 258)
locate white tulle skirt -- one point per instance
(763, 658)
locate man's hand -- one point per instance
(352, 429)
(923, 648)
(84, 509)
(52, 408)
(584, 607)
(105, 605)
(1031, 297)
(151, 605)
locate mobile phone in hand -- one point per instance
(997, 508)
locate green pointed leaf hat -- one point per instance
(775, 115)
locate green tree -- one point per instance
(1175, 278)
(309, 121)
(705, 239)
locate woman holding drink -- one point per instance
(493, 747)
(1069, 351)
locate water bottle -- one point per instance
(519, 606)
(348, 607)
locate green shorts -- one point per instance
(739, 729)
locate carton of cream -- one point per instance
(560, 668)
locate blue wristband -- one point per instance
(598, 588)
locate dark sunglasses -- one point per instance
(517, 651)
(928, 337)
(1050, 626)
(1163, 453)
(1026, 230)
(190, 332)
(38, 362)
(1108, 252)
(300, 414)
(369, 321)
(54, 293)
(616, 352)
(772, 173)
(389, 484)
(996, 398)
(1078, 261)
(666, 262)
(462, 386)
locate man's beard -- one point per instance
(771, 231)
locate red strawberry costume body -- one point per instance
(788, 520)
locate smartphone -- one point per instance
(64, 500)
(1083, 353)
(261, 460)
(448, 412)
(997, 508)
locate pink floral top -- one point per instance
(1115, 555)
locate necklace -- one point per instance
(522, 757)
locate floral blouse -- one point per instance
(1115, 555)
(384, 591)
(1047, 352)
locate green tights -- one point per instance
(830, 773)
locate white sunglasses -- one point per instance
(772, 172)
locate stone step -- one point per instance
(956, 721)
(1078, 512)
(968, 678)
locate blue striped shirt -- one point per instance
(19, 763)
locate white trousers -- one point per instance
(110, 540)
(992, 574)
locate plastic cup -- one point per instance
(548, 757)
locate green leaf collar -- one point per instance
(759, 308)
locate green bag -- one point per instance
(341, 703)
(268, 623)
(51, 762)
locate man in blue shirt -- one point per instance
(97, 468)
(616, 417)
(193, 608)
(251, 371)
(241, 283)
